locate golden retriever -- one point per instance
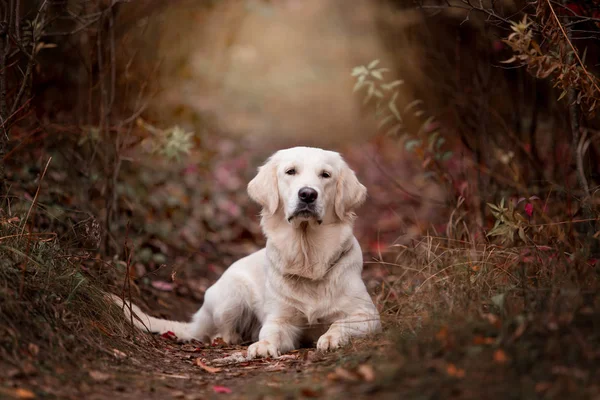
(306, 283)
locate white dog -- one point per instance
(306, 284)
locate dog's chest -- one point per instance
(306, 277)
(316, 302)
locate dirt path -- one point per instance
(168, 370)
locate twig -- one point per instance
(31, 56)
(4, 50)
(566, 35)
(577, 139)
(17, 19)
(5, 121)
(37, 192)
(574, 221)
(579, 152)
(52, 235)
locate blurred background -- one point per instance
(131, 128)
(156, 115)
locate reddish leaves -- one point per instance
(221, 389)
(210, 370)
(169, 335)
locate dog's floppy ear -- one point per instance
(350, 193)
(263, 188)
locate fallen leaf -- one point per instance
(570, 371)
(500, 356)
(119, 354)
(169, 335)
(454, 371)
(24, 394)
(17, 393)
(366, 372)
(493, 320)
(442, 334)
(191, 348)
(342, 374)
(542, 386)
(99, 376)
(33, 349)
(275, 367)
(210, 370)
(13, 372)
(218, 342)
(221, 389)
(288, 357)
(478, 340)
(162, 285)
(308, 392)
(519, 331)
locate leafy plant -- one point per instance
(428, 143)
(509, 221)
(172, 143)
(554, 58)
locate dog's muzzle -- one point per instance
(306, 207)
(305, 213)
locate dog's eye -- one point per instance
(291, 171)
(325, 174)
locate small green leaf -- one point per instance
(440, 143)
(432, 139)
(361, 70)
(563, 94)
(391, 85)
(377, 74)
(447, 155)
(522, 234)
(498, 300)
(385, 121)
(393, 108)
(395, 129)
(359, 84)
(370, 92)
(410, 145)
(412, 105)
(373, 64)
(493, 207)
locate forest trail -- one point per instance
(169, 370)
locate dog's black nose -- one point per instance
(307, 195)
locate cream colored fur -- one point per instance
(306, 284)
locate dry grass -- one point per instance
(470, 317)
(52, 309)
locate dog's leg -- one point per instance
(340, 331)
(231, 320)
(275, 337)
(203, 326)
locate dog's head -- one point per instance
(307, 184)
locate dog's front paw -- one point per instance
(262, 348)
(330, 341)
